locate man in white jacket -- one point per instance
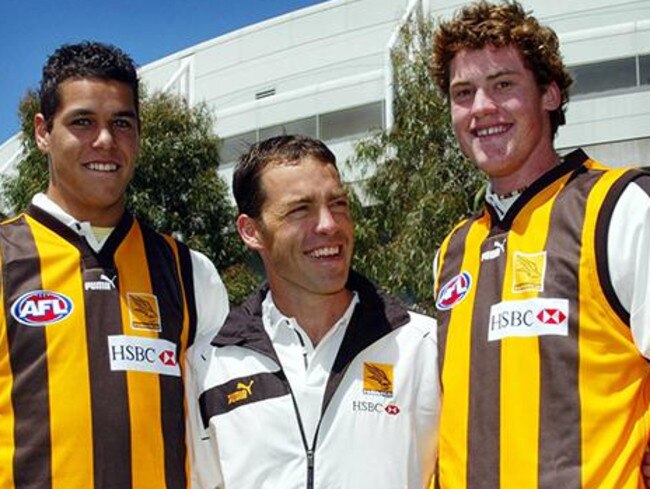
(318, 380)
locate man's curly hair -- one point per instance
(84, 60)
(481, 24)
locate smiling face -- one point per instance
(304, 233)
(91, 147)
(501, 116)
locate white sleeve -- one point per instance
(428, 398)
(628, 259)
(205, 468)
(211, 298)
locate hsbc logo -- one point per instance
(375, 408)
(140, 354)
(454, 291)
(531, 317)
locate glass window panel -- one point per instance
(349, 123)
(603, 76)
(306, 127)
(234, 146)
(644, 69)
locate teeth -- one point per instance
(489, 131)
(102, 166)
(321, 252)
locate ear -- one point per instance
(41, 133)
(551, 98)
(248, 230)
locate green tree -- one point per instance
(176, 187)
(420, 184)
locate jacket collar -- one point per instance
(375, 316)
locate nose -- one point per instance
(483, 103)
(104, 138)
(326, 224)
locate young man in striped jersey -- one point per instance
(544, 324)
(318, 380)
(97, 310)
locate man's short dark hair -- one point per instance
(279, 150)
(85, 60)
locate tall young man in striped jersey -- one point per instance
(97, 310)
(543, 298)
(318, 380)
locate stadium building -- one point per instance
(324, 71)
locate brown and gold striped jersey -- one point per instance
(542, 384)
(91, 355)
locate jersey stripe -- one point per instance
(452, 342)
(27, 352)
(483, 443)
(6, 408)
(67, 358)
(147, 440)
(167, 286)
(560, 437)
(111, 415)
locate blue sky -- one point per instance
(146, 29)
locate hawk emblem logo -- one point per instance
(144, 311)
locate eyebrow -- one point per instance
(122, 113)
(489, 77)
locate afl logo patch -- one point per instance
(41, 307)
(454, 291)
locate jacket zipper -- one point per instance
(310, 452)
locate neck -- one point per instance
(534, 168)
(316, 314)
(106, 217)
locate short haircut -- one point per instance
(279, 150)
(481, 24)
(85, 60)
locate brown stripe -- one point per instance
(602, 232)
(108, 389)
(483, 444)
(559, 432)
(239, 392)
(166, 286)
(187, 277)
(28, 357)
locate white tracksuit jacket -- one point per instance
(378, 427)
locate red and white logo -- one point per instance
(454, 291)
(168, 357)
(392, 409)
(551, 316)
(41, 307)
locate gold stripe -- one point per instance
(6, 408)
(612, 446)
(520, 387)
(455, 408)
(147, 444)
(67, 358)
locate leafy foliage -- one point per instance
(176, 187)
(32, 176)
(421, 186)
